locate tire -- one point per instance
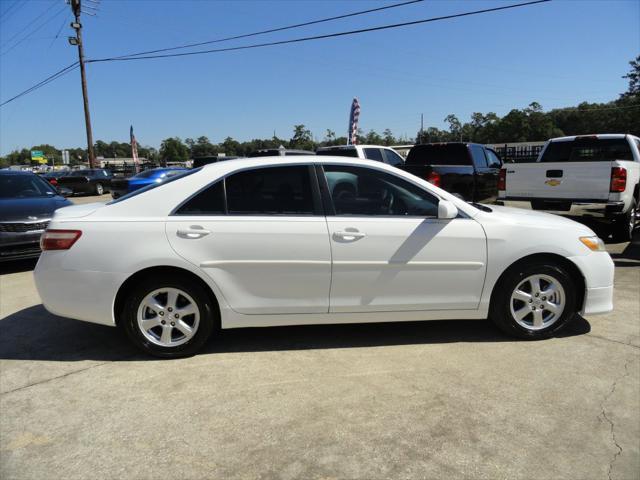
(165, 316)
(99, 189)
(623, 227)
(534, 323)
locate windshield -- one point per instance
(588, 150)
(164, 181)
(24, 186)
(148, 173)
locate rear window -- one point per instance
(588, 150)
(339, 152)
(454, 154)
(151, 186)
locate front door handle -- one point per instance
(193, 232)
(348, 235)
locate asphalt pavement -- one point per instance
(439, 399)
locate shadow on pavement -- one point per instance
(35, 334)
(18, 266)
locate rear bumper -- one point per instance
(568, 207)
(81, 295)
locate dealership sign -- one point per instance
(38, 156)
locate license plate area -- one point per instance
(555, 205)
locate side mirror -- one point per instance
(447, 210)
(64, 191)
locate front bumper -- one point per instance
(20, 245)
(598, 271)
(568, 207)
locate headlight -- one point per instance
(593, 243)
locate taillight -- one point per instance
(618, 179)
(59, 239)
(434, 178)
(502, 179)
(53, 182)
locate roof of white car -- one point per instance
(601, 136)
(344, 147)
(242, 163)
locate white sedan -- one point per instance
(322, 240)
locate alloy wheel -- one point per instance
(168, 317)
(537, 302)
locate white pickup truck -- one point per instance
(592, 176)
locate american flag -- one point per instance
(134, 150)
(352, 137)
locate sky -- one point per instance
(558, 54)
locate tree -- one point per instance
(173, 150)
(634, 78)
(302, 138)
(455, 127)
(330, 136)
(388, 138)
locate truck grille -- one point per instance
(23, 227)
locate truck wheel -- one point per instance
(623, 227)
(534, 300)
(99, 189)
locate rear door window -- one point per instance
(270, 191)
(439, 154)
(588, 150)
(373, 154)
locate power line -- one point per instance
(321, 37)
(7, 13)
(282, 42)
(273, 30)
(53, 4)
(33, 31)
(49, 79)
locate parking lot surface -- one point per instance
(411, 400)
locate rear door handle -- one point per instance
(192, 233)
(347, 235)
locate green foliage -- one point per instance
(173, 150)
(634, 78)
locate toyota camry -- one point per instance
(322, 240)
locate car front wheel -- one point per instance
(168, 317)
(99, 189)
(534, 301)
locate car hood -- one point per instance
(29, 209)
(533, 218)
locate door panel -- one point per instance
(401, 264)
(262, 265)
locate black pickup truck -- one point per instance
(469, 170)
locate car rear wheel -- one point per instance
(99, 189)
(168, 317)
(534, 301)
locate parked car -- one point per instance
(594, 177)
(263, 242)
(95, 181)
(27, 203)
(377, 153)
(275, 152)
(53, 176)
(468, 170)
(122, 186)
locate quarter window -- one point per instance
(270, 191)
(392, 158)
(210, 201)
(365, 192)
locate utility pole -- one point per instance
(422, 128)
(77, 40)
